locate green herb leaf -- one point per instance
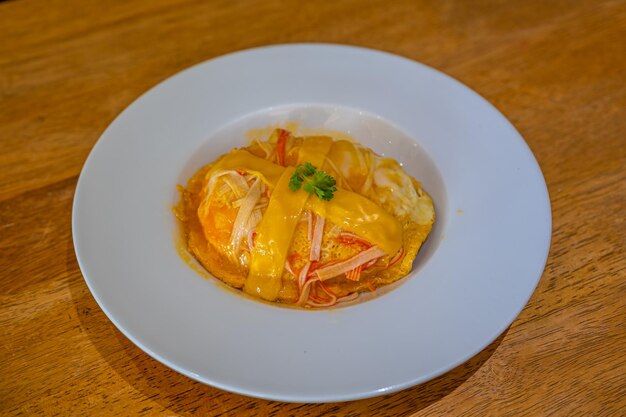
(295, 182)
(307, 177)
(307, 169)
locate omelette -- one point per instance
(306, 221)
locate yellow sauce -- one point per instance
(274, 235)
(360, 216)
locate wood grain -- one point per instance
(557, 69)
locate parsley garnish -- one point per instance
(313, 181)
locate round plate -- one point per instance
(475, 274)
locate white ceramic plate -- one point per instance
(475, 274)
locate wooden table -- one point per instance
(556, 69)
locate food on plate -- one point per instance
(307, 221)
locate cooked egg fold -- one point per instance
(248, 228)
